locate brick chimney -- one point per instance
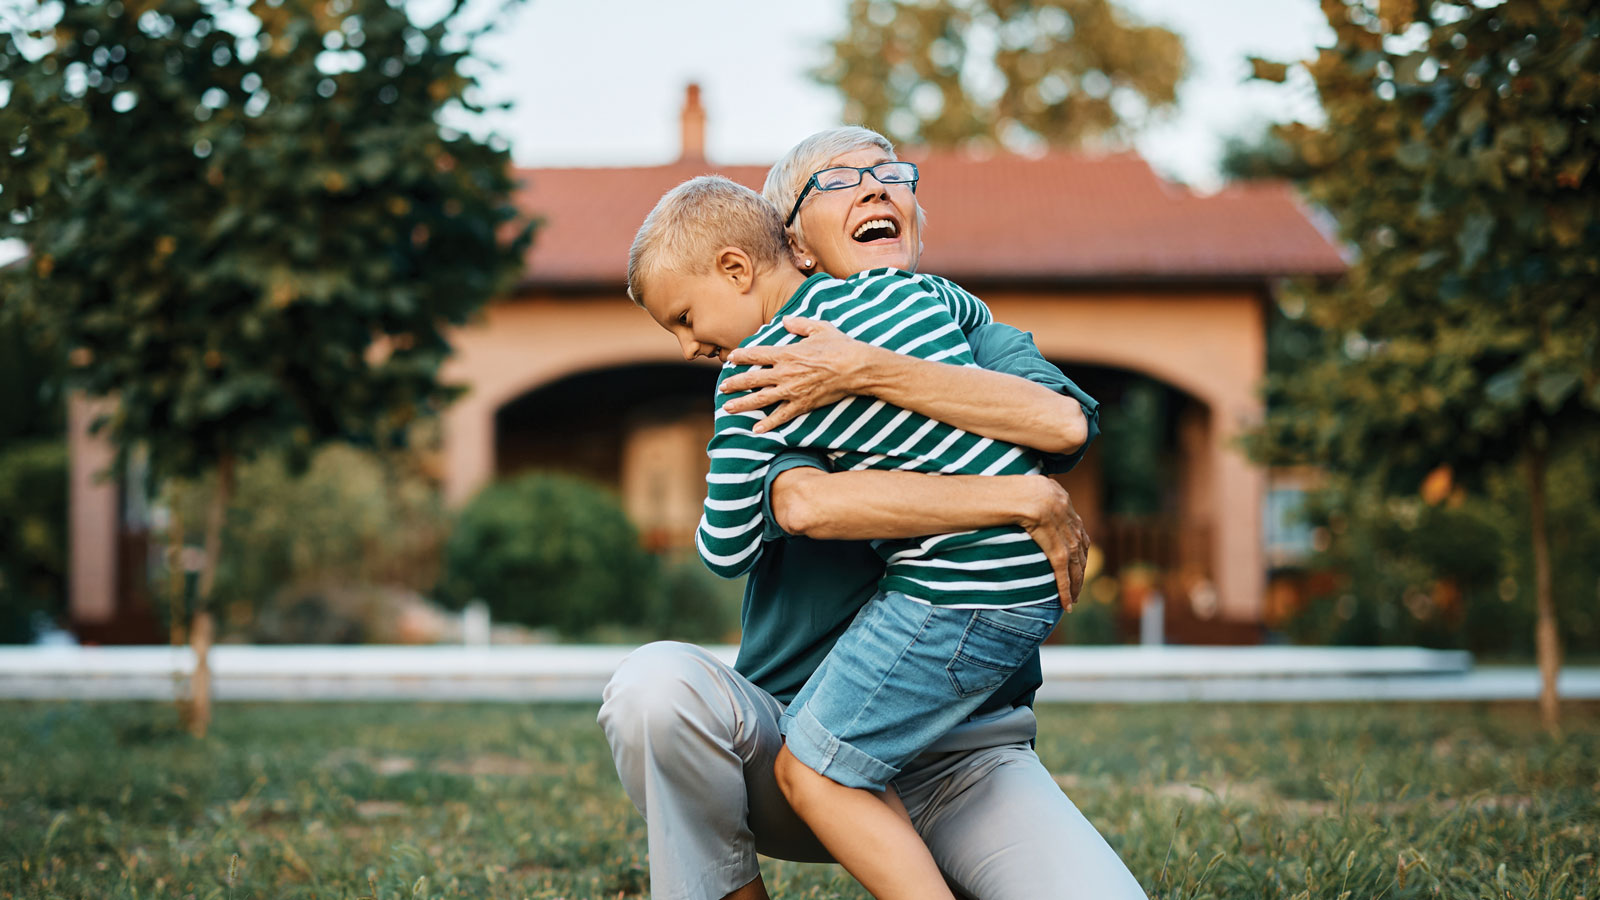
(694, 126)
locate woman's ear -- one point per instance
(804, 259)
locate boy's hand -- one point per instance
(819, 369)
(1058, 530)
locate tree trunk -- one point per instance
(1546, 640)
(177, 593)
(202, 630)
(177, 577)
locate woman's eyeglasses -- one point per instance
(840, 177)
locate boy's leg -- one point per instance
(898, 679)
(1001, 829)
(870, 835)
(694, 744)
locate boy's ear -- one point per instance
(735, 264)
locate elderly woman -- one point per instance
(694, 740)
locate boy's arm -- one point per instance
(730, 532)
(969, 312)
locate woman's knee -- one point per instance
(657, 690)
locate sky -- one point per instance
(601, 82)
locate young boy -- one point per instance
(955, 614)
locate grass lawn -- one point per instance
(408, 800)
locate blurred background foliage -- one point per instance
(1456, 573)
(244, 219)
(359, 548)
(33, 487)
(999, 73)
(554, 551)
(354, 519)
(1460, 356)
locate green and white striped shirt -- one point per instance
(918, 315)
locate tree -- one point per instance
(1258, 155)
(246, 225)
(1459, 161)
(945, 72)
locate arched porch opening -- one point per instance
(640, 429)
(1147, 494)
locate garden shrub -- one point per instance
(549, 550)
(354, 518)
(691, 604)
(33, 536)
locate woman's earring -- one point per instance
(809, 263)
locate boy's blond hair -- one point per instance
(788, 176)
(694, 220)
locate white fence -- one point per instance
(578, 673)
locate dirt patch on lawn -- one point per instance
(499, 765)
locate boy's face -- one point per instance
(710, 313)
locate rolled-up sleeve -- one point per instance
(999, 347)
(793, 459)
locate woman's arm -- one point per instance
(870, 504)
(828, 365)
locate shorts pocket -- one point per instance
(996, 642)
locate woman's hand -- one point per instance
(1058, 530)
(822, 367)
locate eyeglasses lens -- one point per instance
(841, 177)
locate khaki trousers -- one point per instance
(694, 743)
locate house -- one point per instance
(1123, 279)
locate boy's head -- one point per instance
(697, 257)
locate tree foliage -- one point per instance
(246, 226)
(1462, 174)
(1458, 159)
(1020, 72)
(244, 219)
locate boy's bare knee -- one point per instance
(798, 781)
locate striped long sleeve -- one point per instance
(917, 316)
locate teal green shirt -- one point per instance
(912, 315)
(802, 593)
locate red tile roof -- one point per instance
(1063, 217)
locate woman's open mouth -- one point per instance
(876, 230)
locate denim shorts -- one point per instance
(902, 674)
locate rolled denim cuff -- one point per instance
(812, 744)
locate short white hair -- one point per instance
(788, 176)
(694, 220)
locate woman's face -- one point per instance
(869, 226)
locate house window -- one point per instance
(1289, 537)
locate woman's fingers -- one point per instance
(759, 400)
(749, 381)
(755, 356)
(806, 327)
(1060, 534)
(779, 416)
(1079, 560)
(1060, 561)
